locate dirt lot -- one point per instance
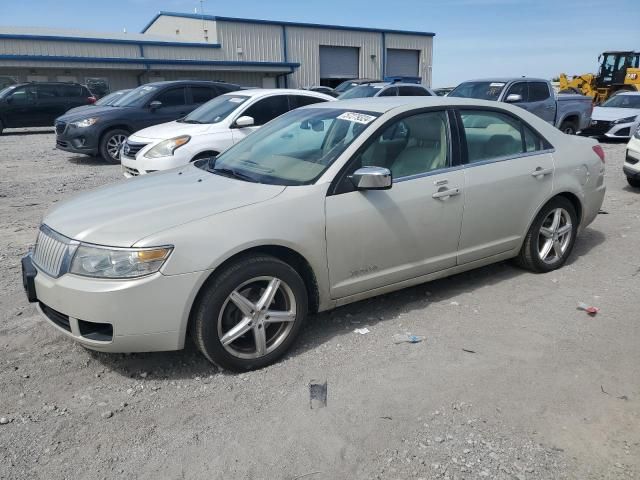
(512, 382)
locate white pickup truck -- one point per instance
(568, 112)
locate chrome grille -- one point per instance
(131, 149)
(50, 251)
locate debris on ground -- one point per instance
(468, 351)
(317, 394)
(362, 331)
(593, 311)
(407, 338)
(4, 421)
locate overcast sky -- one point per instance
(474, 38)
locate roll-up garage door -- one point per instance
(403, 63)
(339, 62)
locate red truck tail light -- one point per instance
(91, 100)
(599, 151)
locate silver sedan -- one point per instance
(326, 205)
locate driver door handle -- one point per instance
(445, 193)
(541, 172)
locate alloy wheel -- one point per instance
(257, 317)
(555, 235)
(114, 144)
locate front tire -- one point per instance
(633, 182)
(111, 143)
(550, 238)
(250, 313)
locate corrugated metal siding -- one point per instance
(258, 42)
(303, 46)
(71, 65)
(246, 79)
(190, 29)
(67, 49)
(415, 42)
(118, 79)
(182, 53)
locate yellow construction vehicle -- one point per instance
(618, 71)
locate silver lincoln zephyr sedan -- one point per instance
(326, 205)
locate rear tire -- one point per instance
(633, 182)
(550, 238)
(110, 145)
(569, 127)
(237, 325)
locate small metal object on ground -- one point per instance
(317, 394)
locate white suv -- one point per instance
(210, 129)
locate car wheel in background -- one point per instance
(250, 313)
(550, 238)
(633, 182)
(569, 127)
(110, 145)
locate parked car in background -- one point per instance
(570, 113)
(210, 128)
(325, 90)
(105, 101)
(354, 82)
(631, 166)
(386, 89)
(326, 205)
(38, 104)
(103, 130)
(443, 92)
(618, 117)
(5, 81)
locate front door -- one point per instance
(542, 102)
(378, 238)
(21, 109)
(508, 176)
(173, 106)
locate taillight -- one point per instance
(91, 100)
(599, 151)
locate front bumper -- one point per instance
(77, 140)
(631, 167)
(132, 167)
(140, 315)
(607, 129)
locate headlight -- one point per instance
(637, 134)
(167, 147)
(625, 120)
(104, 262)
(87, 122)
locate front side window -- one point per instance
(215, 110)
(48, 92)
(137, 96)
(479, 90)
(172, 97)
(389, 92)
(410, 146)
(294, 149)
(22, 96)
(265, 110)
(491, 135)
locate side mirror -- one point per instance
(244, 121)
(372, 178)
(513, 98)
(156, 104)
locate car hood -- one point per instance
(95, 111)
(121, 214)
(171, 130)
(83, 108)
(613, 113)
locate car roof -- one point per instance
(627, 93)
(45, 83)
(386, 104)
(506, 79)
(258, 92)
(165, 83)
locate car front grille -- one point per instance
(61, 127)
(131, 149)
(597, 127)
(60, 319)
(52, 252)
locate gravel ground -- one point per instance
(511, 382)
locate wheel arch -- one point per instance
(201, 154)
(115, 126)
(286, 254)
(570, 196)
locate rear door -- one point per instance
(508, 175)
(542, 101)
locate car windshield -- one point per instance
(361, 91)
(137, 96)
(344, 86)
(623, 101)
(479, 90)
(111, 98)
(294, 149)
(215, 110)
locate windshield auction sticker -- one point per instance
(497, 84)
(357, 117)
